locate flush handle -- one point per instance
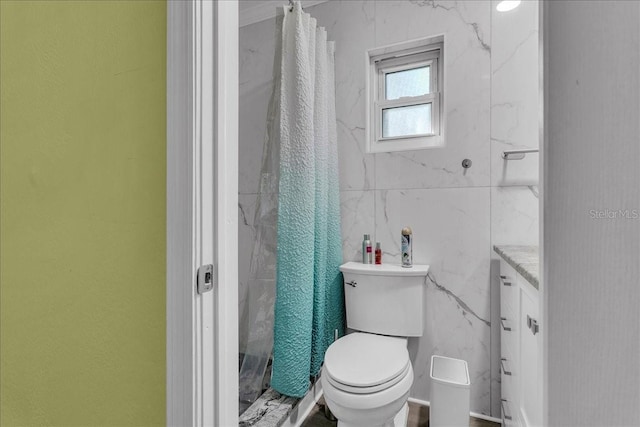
(352, 283)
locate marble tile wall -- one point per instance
(449, 208)
(514, 124)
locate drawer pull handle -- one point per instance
(504, 327)
(506, 416)
(503, 279)
(504, 371)
(532, 324)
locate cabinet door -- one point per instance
(530, 392)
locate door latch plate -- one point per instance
(205, 278)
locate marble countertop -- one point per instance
(525, 259)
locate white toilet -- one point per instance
(367, 374)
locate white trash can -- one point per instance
(450, 388)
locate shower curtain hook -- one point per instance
(290, 5)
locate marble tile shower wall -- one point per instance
(448, 207)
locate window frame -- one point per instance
(396, 58)
(405, 63)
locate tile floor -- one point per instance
(418, 417)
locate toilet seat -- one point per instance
(364, 363)
(368, 402)
(371, 389)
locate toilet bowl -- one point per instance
(366, 379)
(367, 375)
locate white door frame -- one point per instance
(202, 200)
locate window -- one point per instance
(405, 96)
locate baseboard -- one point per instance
(473, 414)
(485, 417)
(304, 407)
(308, 402)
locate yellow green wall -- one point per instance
(82, 332)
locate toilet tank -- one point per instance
(385, 299)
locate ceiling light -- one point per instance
(507, 5)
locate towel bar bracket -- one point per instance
(517, 154)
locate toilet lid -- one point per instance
(366, 360)
(367, 390)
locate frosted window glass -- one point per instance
(406, 121)
(414, 82)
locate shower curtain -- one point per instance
(309, 306)
(297, 219)
(262, 275)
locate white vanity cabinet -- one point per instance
(520, 349)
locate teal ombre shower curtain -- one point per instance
(309, 305)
